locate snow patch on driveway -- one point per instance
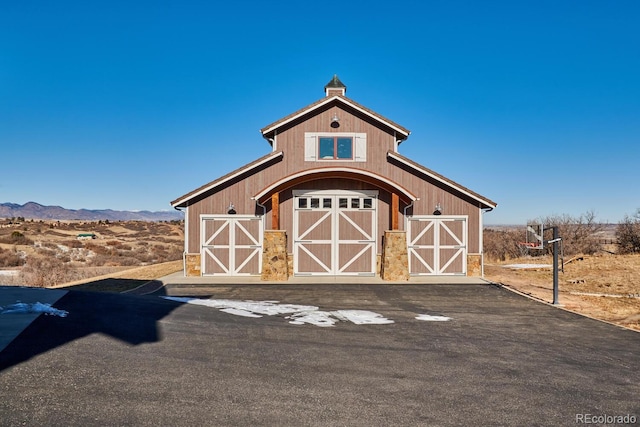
(36, 307)
(430, 318)
(296, 314)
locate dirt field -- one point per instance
(49, 253)
(605, 287)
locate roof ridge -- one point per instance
(322, 101)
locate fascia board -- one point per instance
(228, 178)
(344, 101)
(439, 179)
(328, 100)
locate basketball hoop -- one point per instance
(535, 236)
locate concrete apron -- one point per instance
(178, 278)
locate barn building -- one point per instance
(333, 197)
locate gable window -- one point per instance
(341, 147)
(335, 148)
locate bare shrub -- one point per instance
(72, 244)
(101, 250)
(17, 238)
(174, 254)
(128, 261)
(628, 234)
(44, 271)
(10, 258)
(46, 252)
(499, 245)
(579, 234)
(100, 259)
(143, 255)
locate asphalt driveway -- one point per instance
(500, 359)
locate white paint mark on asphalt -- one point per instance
(431, 318)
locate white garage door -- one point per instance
(437, 245)
(334, 232)
(232, 245)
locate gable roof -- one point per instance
(485, 202)
(268, 131)
(184, 200)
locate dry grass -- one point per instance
(125, 280)
(606, 287)
(51, 254)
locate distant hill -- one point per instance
(33, 210)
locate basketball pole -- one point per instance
(555, 241)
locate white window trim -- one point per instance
(311, 141)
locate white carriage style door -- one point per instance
(232, 245)
(437, 245)
(334, 232)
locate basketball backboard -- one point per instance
(535, 239)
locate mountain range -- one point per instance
(33, 210)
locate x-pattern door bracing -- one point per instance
(334, 233)
(232, 245)
(437, 245)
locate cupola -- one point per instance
(335, 87)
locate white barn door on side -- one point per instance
(231, 245)
(437, 245)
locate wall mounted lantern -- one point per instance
(438, 209)
(231, 210)
(335, 121)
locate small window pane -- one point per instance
(326, 203)
(325, 148)
(344, 148)
(302, 203)
(367, 203)
(315, 203)
(342, 202)
(355, 203)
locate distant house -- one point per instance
(86, 236)
(334, 197)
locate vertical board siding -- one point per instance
(292, 142)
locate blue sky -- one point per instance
(130, 104)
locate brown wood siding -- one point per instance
(291, 142)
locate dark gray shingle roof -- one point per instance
(335, 83)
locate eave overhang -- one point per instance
(184, 200)
(483, 201)
(401, 132)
